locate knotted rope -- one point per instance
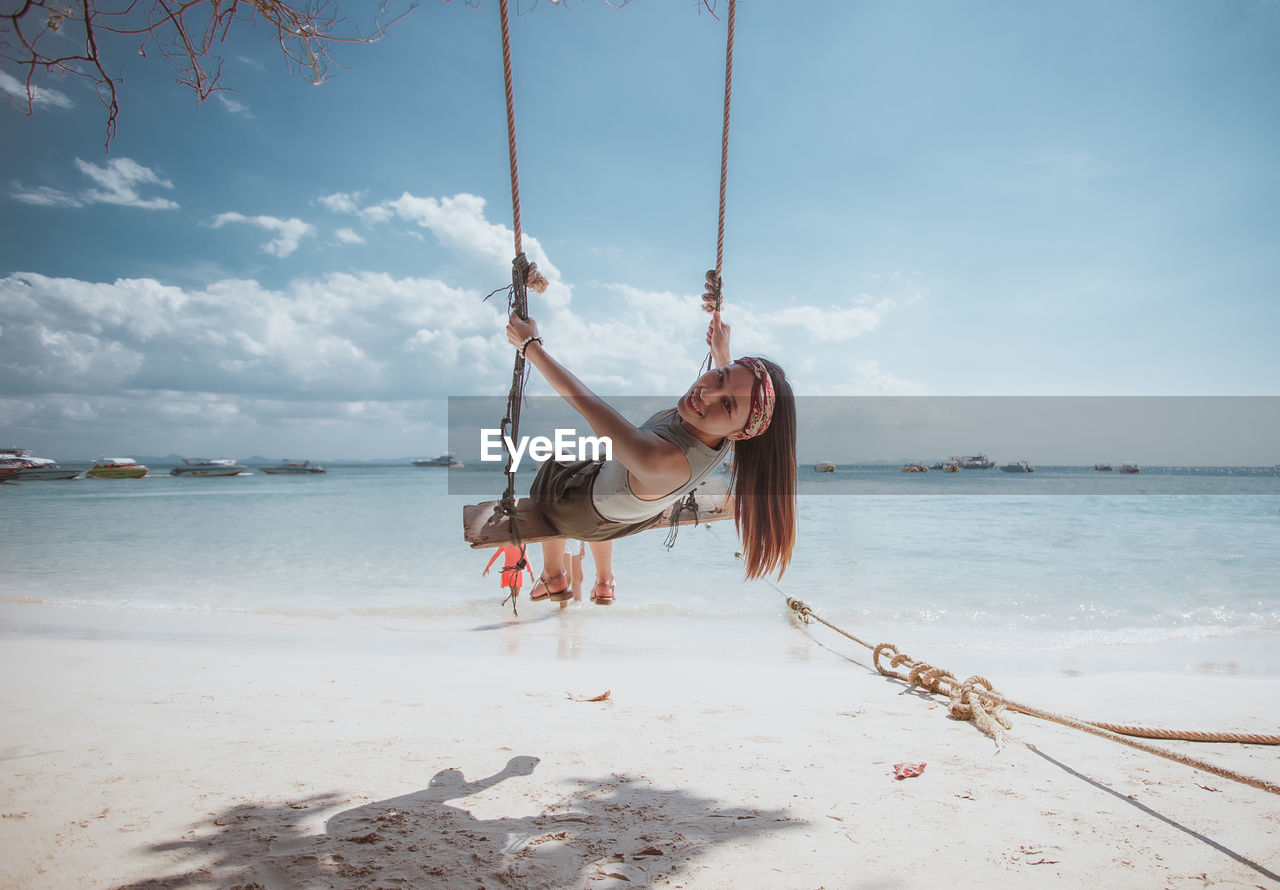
(688, 504)
(975, 699)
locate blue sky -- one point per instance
(926, 198)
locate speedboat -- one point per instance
(913, 468)
(1128, 468)
(293, 468)
(974, 462)
(204, 466)
(24, 466)
(52, 471)
(444, 460)
(116, 468)
(824, 466)
(1018, 466)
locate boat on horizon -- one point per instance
(116, 468)
(913, 468)
(1018, 466)
(21, 465)
(974, 462)
(1129, 468)
(824, 466)
(205, 466)
(293, 468)
(444, 460)
(1103, 468)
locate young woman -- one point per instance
(744, 405)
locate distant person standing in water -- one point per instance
(512, 575)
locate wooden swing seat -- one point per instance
(481, 528)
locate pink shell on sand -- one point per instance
(907, 770)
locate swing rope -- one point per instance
(713, 299)
(522, 276)
(724, 145)
(511, 123)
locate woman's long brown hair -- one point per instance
(764, 485)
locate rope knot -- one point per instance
(689, 504)
(535, 280)
(929, 677)
(801, 609)
(969, 702)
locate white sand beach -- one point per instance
(204, 757)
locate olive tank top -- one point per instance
(611, 494)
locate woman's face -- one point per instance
(718, 402)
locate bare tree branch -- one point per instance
(43, 37)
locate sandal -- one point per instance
(542, 589)
(602, 593)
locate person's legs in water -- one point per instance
(602, 556)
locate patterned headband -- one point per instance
(761, 398)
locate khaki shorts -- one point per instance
(562, 493)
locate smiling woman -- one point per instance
(745, 406)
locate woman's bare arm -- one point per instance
(656, 466)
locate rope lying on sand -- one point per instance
(975, 699)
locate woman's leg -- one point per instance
(602, 556)
(553, 583)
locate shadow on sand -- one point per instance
(613, 832)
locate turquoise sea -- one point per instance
(981, 571)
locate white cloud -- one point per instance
(289, 232)
(348, 236)
(342, 202)
(376, 214)
(459, 224)
(366, 336)
(833, 324)
(40, 95)
(346, 349)
(233, 105)
(44, 196)
(118, 182)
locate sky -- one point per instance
(924, 199)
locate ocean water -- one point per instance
(1069, 570)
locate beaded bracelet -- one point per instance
(525, 344)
